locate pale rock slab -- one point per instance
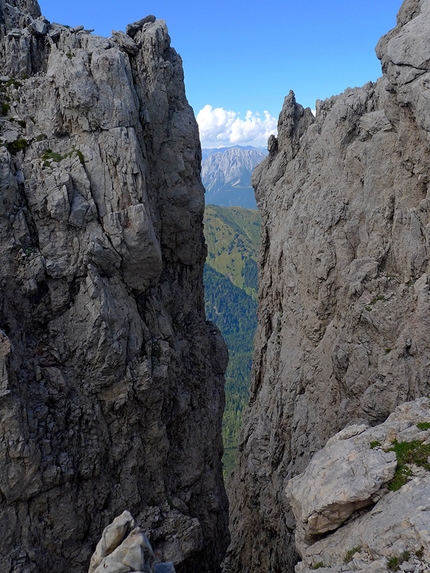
(113, 535)
(124, 548)
(337, 485)
(343, 477)
(398, 523)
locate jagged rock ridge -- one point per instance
(343, 328)
(112, 387)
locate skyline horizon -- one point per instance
(240, 63)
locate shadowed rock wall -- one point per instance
(111, 381)
(344, 306)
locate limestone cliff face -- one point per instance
(344, 308)
(111, 387)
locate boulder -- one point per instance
(343, 494)
(124, 548)
(126, 42)
(343, 477)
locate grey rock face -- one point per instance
(22, 48)
(344, 290)
(111, 388)
(396, 527)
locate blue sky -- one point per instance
(241, 57)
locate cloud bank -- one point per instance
(221, 128)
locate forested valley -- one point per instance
(230, 278)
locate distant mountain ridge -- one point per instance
(207, 151)
(226, 175)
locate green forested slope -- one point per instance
(230, 277)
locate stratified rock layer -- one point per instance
(111, 389)
(344, 321)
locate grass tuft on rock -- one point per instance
(18, 145)
(393, 563)
(415, 452)
(374, 444)
(49, 154)
(350, 553)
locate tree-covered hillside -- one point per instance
(233, 238)
(230, 277)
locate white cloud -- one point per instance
(221, 128)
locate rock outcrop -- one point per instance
(112, 387)
(124, 548)
(346, 475)
(344, 282)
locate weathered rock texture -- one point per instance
(124, 548)
(346, 475)
(111, 390)
(344, 321)
(396, 527)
